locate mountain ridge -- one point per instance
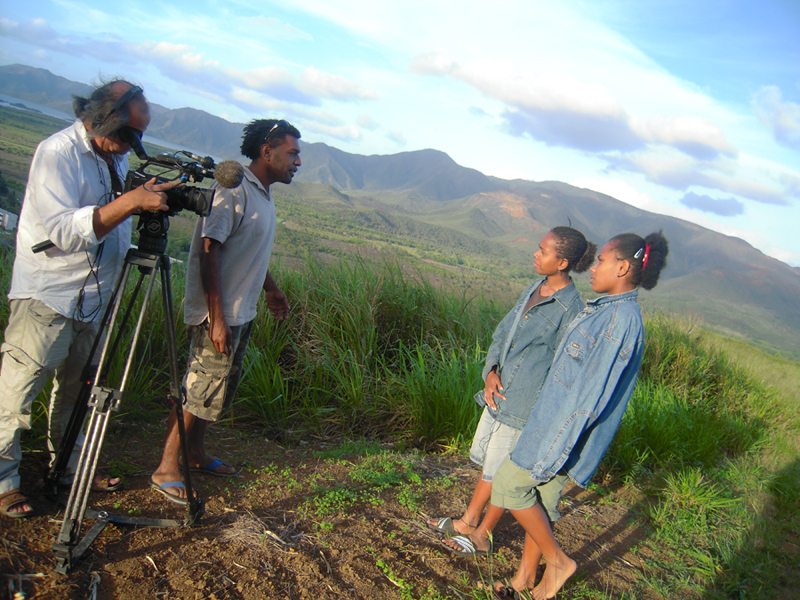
(733, 281)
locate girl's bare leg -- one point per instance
(470, 519)
(525, 577)
(480, 536)
(560, 567)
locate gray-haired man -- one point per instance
(74, 200)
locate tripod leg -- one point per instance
(103, 401)
(177, 393)
(59, 466)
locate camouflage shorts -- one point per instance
(212, 378)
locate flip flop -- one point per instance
(162, 489)
(444, 526)
(11, 499)
(466, 547)
(507, 591)
(105, 485)
(210, 469)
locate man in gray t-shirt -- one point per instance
(228, 267)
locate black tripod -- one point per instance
(104, 399)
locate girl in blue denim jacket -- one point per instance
(516, 366)
(579, 408)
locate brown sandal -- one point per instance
(11, 499)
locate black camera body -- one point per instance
(167, 168)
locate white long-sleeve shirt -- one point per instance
(67, 181)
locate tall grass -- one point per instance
(690, 407)
(368, 349)
(712, 450)
(372, 350)
(435, 385)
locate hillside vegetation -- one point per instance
(374, 353)
(461, 227)
(394, 300)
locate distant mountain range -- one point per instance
(731, 285)
(186, 127)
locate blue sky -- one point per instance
(690, 109)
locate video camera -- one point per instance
(167, 168)
(181, 166)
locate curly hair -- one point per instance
(572, 245)
(258, 132)
(647, 256)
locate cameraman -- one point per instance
(74, 200)
(227, 270)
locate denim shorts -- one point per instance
(492, 443)
(211, 378)
(514, 489)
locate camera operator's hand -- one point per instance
(151, 197)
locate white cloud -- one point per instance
(545, 91)
(562, 110)
(432, 63)
(365, 121)
(346, 133)
(253, 100)
(694, 136)
(621, 190)
(261, 78)
(274, 29)
(790, 257)
(397, 137)
(192, 69)
(724, 207)
(781, 118)
(791, 184)
(333, 86)
(681, 173)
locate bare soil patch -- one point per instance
(302, 522)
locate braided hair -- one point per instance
(573, 246)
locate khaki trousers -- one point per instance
(40, 344)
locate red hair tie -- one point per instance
(646, 255)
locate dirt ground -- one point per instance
(301, 522)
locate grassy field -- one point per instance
(373, 353)
(386, 341)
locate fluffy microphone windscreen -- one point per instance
(229, 174)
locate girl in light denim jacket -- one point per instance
(579, 408)
(516, 366)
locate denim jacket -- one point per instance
(586, 393)
(522, 350)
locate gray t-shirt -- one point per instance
(243, 220)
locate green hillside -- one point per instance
(705, 461)
(483, 243)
